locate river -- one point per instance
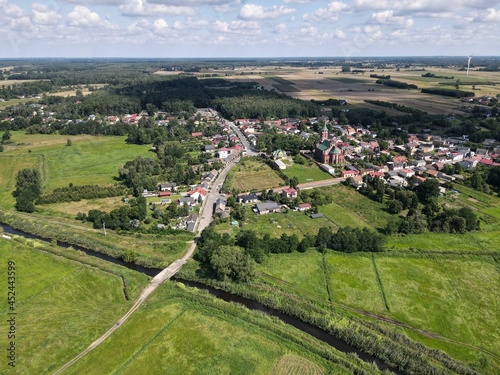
(310, 329)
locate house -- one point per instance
(303, 207)
(349, 173)
(279, 154)
(406, 173)
(468, 163)
(327, 168)
(317, 216)
(267, 207)
(223, 153)
(169, 186)
(289, 193)
(190, 222)
(248, 198)
(209, 148)
(357, 181)
(198, 193)
(219, 206)
(197, 134)
(162, 194)
(187, 201)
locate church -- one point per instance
(327, 151)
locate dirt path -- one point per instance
(205, 215)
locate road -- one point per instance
(244, 141)
(205, 218)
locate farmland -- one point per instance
(355, 88)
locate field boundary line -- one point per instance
(327, 278)
(146, 344)
(379, 282)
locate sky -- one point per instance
(248, 28)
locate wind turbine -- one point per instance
(468, 62)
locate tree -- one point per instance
(68, 142)
(6, 136)
(394, 206)
(428, 190)
(231, 263)
(323, 238)
(294, 181)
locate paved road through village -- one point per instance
(205, 215)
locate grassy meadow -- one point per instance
(452, 297)
(253, 175)
(184, 331)
(305, 172)
(89, 160)
(61, 305)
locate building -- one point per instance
(169, 186)
(304, 207)
(223, 153)
(289, 193)
(267, 207)
(327, 151)
(279, 164)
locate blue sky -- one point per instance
(252, 28)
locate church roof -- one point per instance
(335, 150)
(325, 145)
(324, 127)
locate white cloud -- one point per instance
(43, 15)
(11, 10)
(83, 17)
(160, 25)
(492, 15)
(388, 17)
(143, 8)
(236, 27)
(258, 12)
(330, 13)
(279, 28)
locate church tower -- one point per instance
(324, 133)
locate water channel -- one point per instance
(310, 329)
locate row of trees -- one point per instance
(396, 84)
(77, 193)
(126, 217)
(239, 255)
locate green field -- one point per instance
(305, 172)
(456, 298)
(350, 208)
(87, 161)
(184, 331)
(253, 175)
(61, 305)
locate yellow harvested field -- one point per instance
(10, 82)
